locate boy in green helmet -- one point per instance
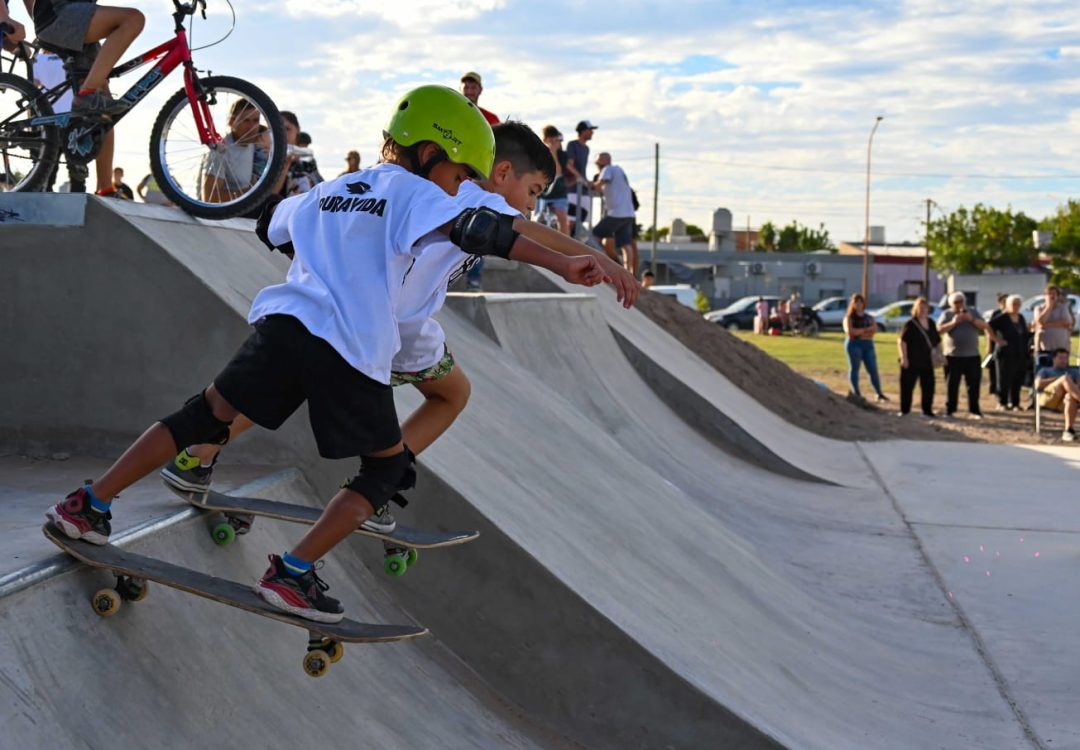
(328, 334)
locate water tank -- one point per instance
(678, 228)
(877, 235)
(721, 221)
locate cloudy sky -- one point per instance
(760, 107)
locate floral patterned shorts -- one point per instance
(437, 371)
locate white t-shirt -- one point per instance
(234, 164)
(424, 290)
(49, 72)
(617, 199)
(355, 239)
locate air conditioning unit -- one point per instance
(813, 268)
(757, 269)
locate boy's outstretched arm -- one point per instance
(626, 286)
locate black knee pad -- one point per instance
(380, 479)
(195, 424)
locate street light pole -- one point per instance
(866, 238)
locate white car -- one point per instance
(685, 294)
(892, 317)
(831, 311)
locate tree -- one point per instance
(693, 230)
(1064, 249)
(793, 238)
(766, 238)
(648, 235)
(982, 238)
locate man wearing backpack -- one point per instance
(616, 229)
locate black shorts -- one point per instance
(619, 227)
(281, 365)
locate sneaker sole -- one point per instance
(71, 531)
(272, 598)
(182, 484)
(378, 529)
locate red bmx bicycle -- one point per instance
(216, 149)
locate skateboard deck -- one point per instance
(404, 536)
(133, 571)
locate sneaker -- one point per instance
(78, 520)
(300, 595)
(187, 475)
(977, 416)
(1068, 436)
(383, 522)
(882, 397)
(98, 103)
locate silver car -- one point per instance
(831, 311)
(892, 316)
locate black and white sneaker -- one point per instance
(187, 474)
(383, 522)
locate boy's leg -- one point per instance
(191, 470)
(444, 400)
(116, 28)
(153, 448)
(103, 164)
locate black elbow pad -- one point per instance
(262, 226)
(482, 231)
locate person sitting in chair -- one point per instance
(1059, 389)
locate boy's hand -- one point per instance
(584, 270)
(626, 286)
(14, 33)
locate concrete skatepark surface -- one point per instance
(641, 580)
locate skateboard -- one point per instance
(134, 572)
(400, 546)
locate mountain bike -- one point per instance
(216, 149)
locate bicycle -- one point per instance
(204, 173)
(14, 56)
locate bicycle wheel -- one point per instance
(236, 175)
(18, 61)
(28, 155)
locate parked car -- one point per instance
(741, 312)
(1027, 308)
(831, 310)
(892, 317)
(684, 293)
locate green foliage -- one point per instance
(693, 230)
(982, 238)
(1064, 250)
(793, 238)
(766, 238)
(647, 236)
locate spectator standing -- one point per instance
(229, 172)
(352, 162)
(471, 88)
(555, 196)
(918, 342)
(859, 330)
(617, 226)
(122, 189)
(1054, 322)
(149, 191)
(994, 366)
(577, 166)
(761, 319)
(647, 279)
(1011, 354)
(1059, 389)
(960, 327)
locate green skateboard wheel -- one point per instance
(223, 534)
(410, 558)
(396, 564)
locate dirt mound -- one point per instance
(776, 386)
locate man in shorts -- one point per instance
(616, 229)
(1059, 390)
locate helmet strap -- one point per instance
(430, 164)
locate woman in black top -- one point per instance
(917, 342)
(1012, 356)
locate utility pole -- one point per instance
(655, 203)
(926, 257)
(866, 238)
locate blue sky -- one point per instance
(763, 108)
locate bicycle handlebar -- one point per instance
(189, 9)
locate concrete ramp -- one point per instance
(638, 583)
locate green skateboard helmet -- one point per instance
(445, 117)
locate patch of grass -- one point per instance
(822, 358)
